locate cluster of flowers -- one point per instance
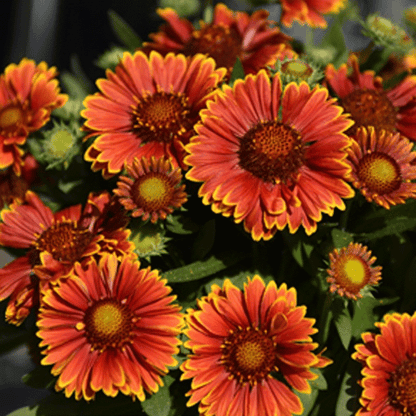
(272, 149)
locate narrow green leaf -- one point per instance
(181, 225)
(160, 403)
(123, 31)
(24, 411)
(238, 71)
(393, 227)
(73, 86)
(343, 323)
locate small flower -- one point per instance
(350, 271)
(149, 240)
(271, 158)
(111, 327)
(148, 107)
(298, 70)
(382, 167)
(248, 349)
(388, 367)
(28, 95)
(253, 39)
(152, 190)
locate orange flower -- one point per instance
(28, 95)
(148, 107)
(383, 166)
(253, 39)
(152, 189)
(309, 11)
(269, 159)
(389, 367)
(350, 271)
(54, 242)
(110, 327)
(364, 98)
(248, 348)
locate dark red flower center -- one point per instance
(219, 42)
(403, 387)
(370, 108)
(249, 355)
(379, 172)
(161, 117)
(272, 151)
(12, 120)
(108, 323)
(11, 187)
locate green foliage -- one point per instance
(125, 34)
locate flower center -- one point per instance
(161, 116)
(297, 68)
(64, 240)
(272, 151)
(352, 273)
(153, 191)
(108, 323)
(248, 355)
(219, 42)
(379, 172)
(11, 119)
(403, 388)
(370, 108)
(60, 143)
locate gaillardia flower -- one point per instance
(229, 36)
(152, 190)
(148, 107)
(389, 367)
(383, 167)
(362, 95)
(248, 349)
(271, 159)
(28, 95)
(351, 271)
(54, 242)
(112, 327)
(309, 11)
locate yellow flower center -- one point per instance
(60, 143)
(370, 108)
(380, 173)
(355, 271)
(161, 117)
(403, 388)
(272, 151)
(297, 68)
(248, 355)
(11, 120)
(108, 323)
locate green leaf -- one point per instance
(301, 252)
(308, 400)
(394, 226)
(347, 402)
(123, 31)
(160, 403)
(238, 71)
(73, 86)
(319, 383)
(24, 411)
(181, 225)
(341, 238)
(343, 322)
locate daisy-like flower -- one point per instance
(351, 271)
(148, 107)
(247, 349)
(152, 190)
(309, 11)
(383, 167)
(389, 367)
(252, 39)
(111, 327)
(269, 170)
(28, 95)
(54, 242)
(362, 95)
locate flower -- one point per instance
(309, 11)
(247, 348)
(364, 98)
(54, 242)
(152, 189)
(389, 367)
(350, 271)
(148, 107)
(268, 170)
(252, 39)
(28, 95)
(111, 327)
(382, 167)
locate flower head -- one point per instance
(389, 367)
(247, 349)
(152, 189)
(271, 160)
(350, 271)
(28, 95)
(148, 107)
(111, 327)
(362, 95)
(252, 39)
(383, 167)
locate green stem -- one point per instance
(324, 319)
